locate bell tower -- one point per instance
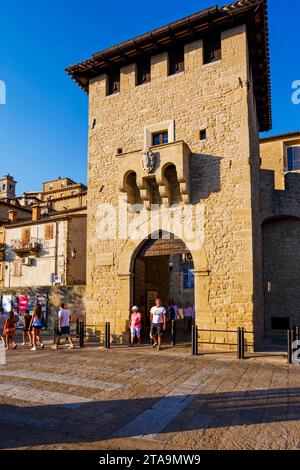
(7, 188)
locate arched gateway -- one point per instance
(162, 265)
(164, 268)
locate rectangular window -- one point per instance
(212, 49)
(160, 138)
(114, 82)
(25, 237)
(176, 60)
(48, 232)
(293, 158)
(280, 323)
(143, 71)
(17, 268)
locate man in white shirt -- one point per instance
(63, 329)
(158, 318)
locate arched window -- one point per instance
(293, 158)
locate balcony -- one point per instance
(2, 251)
(156, 174)
(24, 249)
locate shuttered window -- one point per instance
(48, 232)
(25, 239)
(212, 49)
(176, 60)
(17, 268)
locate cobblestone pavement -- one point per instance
(144, 399)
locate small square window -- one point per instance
(203, 134)
(119, 151)
(114, 82)
(144, 71)
(176, 60)
(212, 49)
(160, 138)
(293, 158)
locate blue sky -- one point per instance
(43, 126)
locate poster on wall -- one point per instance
(31, 303)
(23, 303)
(6, 303)
(42, 300)
(15, 303)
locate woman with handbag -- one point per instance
(10, 330)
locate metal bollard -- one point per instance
(290, 340)
(107, 335)
(194, 340)
(81, 334)
(173, 332)
(77, 328)
(240, 343)
(242, 333)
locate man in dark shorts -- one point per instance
(26, 328)
(63, 329)
(158, 318)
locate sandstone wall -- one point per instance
(203, 97)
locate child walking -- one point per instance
(135, 325)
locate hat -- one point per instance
(135, 308)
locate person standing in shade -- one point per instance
(36, 324)
(158, 319)
(26, 328)
(3, 317)
(135, 325)
(63, 329)
(172, 311)
(188, 315)
(10, 330)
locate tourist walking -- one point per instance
(2, 323)
(173, 313)
(63, 328)
(36, 324)
(188, 315)
(10, 330)
(158, 319)
(135, 325)
(26, 328)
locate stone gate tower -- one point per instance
(174, 117)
